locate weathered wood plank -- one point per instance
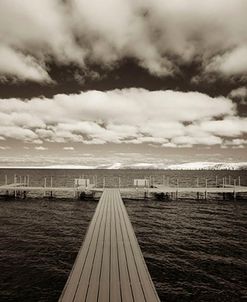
(145, 279)
(136, 286)
(83, 284)
(72, 283)
(115, 292)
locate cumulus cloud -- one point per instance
(159, 35)
(14, 64)
(136, 116)
(40, 148)
(239, 94)
(233, 62)
(4, 148)
(69, 148)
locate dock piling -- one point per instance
(44, 193)
(51, 193)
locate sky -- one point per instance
(132, 82)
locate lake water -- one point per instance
(195, 250)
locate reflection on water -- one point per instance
(195, 251)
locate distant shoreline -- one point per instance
(122, 168)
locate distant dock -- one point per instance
(148, 187)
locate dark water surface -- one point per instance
(195, 250)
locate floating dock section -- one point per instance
(110, 265)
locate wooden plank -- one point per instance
(148, 288)
(72, 283)
(136, 285)
(83, 284)
(104, 280)
(115, 292)
(125, 283)
(94, 282)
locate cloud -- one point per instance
(236, 142)
(239, 94)
(230, 127)
(233, 62)
(14, 64)
(40, 148)
(4, 148)
(159, 35)
(133, 116)
(69, 148)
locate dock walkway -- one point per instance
(110, 265)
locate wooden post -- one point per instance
(74, 189)
(234, 192)
(51, 185)
(239, 181)
(44, 193)
(176, 195)
(15, 183)
(223, 182)
(206, 182)
(28, 181)
(6, 179)
(206, 194)
(177, 183)
(96, 181)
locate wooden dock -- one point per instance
(110, 265)
(82, 188)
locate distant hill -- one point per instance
(150, 166)
(209, 166)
